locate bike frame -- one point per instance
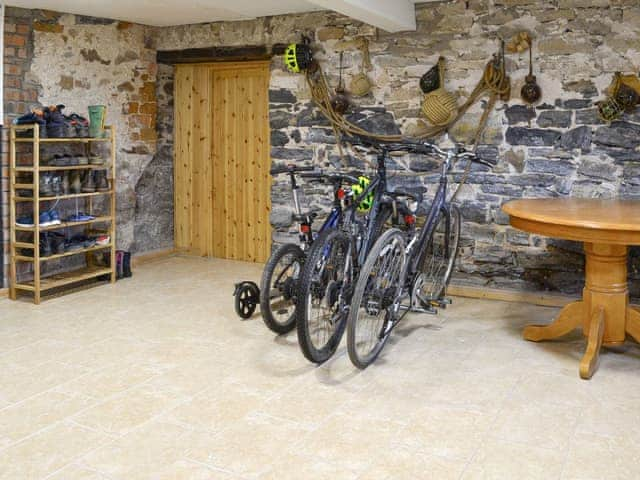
(438, 206)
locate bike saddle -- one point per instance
(415, 193)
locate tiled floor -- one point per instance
(156, 378)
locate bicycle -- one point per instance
(415, 264)
(326, 281)
(278, 284)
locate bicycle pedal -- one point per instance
(441, 303)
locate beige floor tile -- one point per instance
(532, 423)
(27, 417)
(292, 466)
(109, 381)
(105, 352)
(403, 463)
(219, 408)
(498, 460)
(146, 451)
(36, 353)
(129, 409)
(443, 431)
(593, 457)
(248, 448)
(20, 384)
(187, 470)
(48, 451)
(76, 472)
(351, 441)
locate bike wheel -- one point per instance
(374, 298)
(439, 257)
(321, 315)
(278, 287)
(246, 299)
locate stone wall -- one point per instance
(559, 148)
(53, 58)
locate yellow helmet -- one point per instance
(358, 189)
(298, 57)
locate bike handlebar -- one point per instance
(278, 169)
(331, 177)
(420, 147)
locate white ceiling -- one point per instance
(180, 12)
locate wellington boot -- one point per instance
(88, 185)
(102, 184)
(75, 185)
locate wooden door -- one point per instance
(222, 160)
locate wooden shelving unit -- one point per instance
(40, 284)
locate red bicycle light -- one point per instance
(305, 228)
(409, 219)
(340, 193)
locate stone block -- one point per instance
(531, 136)
(555, 118)
(519, 114)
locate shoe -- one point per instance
(126, 264)
(103, 240)
(26, 221)
(46, 189)
(56, 184)
(76, 183)
(69, 130)
(57, 243)
(95, 159)
(80, 217)
(55, 121)
(45, 245)
(81, 160)
(72, 245)
(54, 217)
(102, 184)
(88, 185)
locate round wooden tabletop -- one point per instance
(581, 219)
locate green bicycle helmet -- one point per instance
(298, 57)
(358, 189)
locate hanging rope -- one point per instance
(493, 82)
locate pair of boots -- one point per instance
(123, 264)
(95, 181)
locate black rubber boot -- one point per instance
(126, 264)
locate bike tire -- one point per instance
(436, 266)
(392, 241)
(246, 299)
(332, 242)
(268, 289)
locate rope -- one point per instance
(493, 82)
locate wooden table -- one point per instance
(606, 227)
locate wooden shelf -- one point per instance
(66, 224)
(63, 197)
(65, 278)
(95, 248)
(62, 140)
(62, 168)
(30, 193)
